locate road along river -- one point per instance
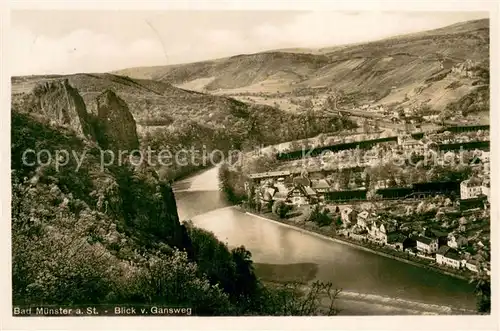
(371, 284)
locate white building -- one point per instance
(470, 188)
(456, 241)
(427, 245)
(363, 220)
(348, 216)
(485, 189)
(430, 117)
(448, 257)
(485, 156)
(473, 265)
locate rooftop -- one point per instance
(320, 184)
(425, 240)
(301, 181)
(395, 237)
(309, 190)
(452, 254)
(443, 250)
(269, 174)
(363, 214)
(472, 182)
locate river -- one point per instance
(371, 284)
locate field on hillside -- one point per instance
(409, 70)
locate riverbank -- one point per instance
(354, 244)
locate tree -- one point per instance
(245, 281)
(321, 218)
(482, 289)
(280, 208)
(296, 299)
(335, 97)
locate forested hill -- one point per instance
(83, 234)
(166, 117)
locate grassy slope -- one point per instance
(404, 62)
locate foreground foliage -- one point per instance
(109, 236)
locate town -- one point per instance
(419, 196)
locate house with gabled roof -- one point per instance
(362, 220)
(302, 195)
(456, 241)
(348, 216)
(485, 189)
(473, 265)
(440, 234)
(396, 240)
(449, 257)
(427, 245)
(320, 186)
(301, 180)
(266, 194)
(380, 229)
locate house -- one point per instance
(470, 188)
(473, 203)
(380, 230)
(396, 240)
(280, 196)
(374, 230)
(348, 216)
(473, 265)
(456, 241)
(302, 195)
(427, 245)
(440, 235)
(430, 118)
(412, 145)
(257, 177)
(266, 194)
(409, 243)
(485, 156)
(485, 189)
(320, 186)
(449, 257)
(363, 220)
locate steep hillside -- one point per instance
(87, 235)
(155, 103)
(416, 66)
(167, 118)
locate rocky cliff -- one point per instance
(61, 103)
(113, 126)
(116, 125)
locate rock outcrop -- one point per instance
(112, 126)
(59, 102)
(116, 127)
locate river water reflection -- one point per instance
(371, 284)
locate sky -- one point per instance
(63, 42)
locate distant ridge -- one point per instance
(387, 71)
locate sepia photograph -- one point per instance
(250, 163)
